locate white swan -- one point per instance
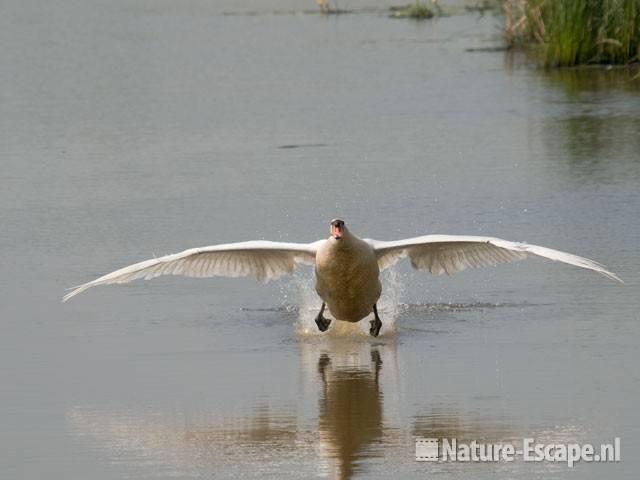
(347, 268)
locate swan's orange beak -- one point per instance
(336, 232)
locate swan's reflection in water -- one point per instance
(345, 421)
(350, 414)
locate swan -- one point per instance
(347, 268)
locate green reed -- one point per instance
(575, 32)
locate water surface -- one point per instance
(137, 128)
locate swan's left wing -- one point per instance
(261, 259)
(454, 253)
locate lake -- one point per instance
(132, 129)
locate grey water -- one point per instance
(131, 129)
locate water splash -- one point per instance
(300, 297)
(392, 292)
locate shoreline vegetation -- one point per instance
(417, 10)
(575, 32)
(556, 33)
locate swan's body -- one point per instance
(347, 268)
(347, 277)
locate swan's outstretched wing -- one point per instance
(454, 253)
(261, 259)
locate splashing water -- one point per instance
(392, 293)
(300, 296)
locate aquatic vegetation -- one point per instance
(574, 32)
(417, 10)
(326, 8)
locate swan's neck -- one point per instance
(346, 242)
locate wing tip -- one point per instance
(66, 298)
(612, 276)
(75, 291)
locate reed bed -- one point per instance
(575, 32)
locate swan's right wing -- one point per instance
(261, 259)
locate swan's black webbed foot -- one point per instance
(323, 323)
(376, 323)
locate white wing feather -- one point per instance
(454, 253)
(261, 259)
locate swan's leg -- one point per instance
(323, 323)
(376, 323)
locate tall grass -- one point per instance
(574, 32)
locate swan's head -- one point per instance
(338, 228)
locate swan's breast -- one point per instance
(347, 278)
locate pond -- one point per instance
(132, 129)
